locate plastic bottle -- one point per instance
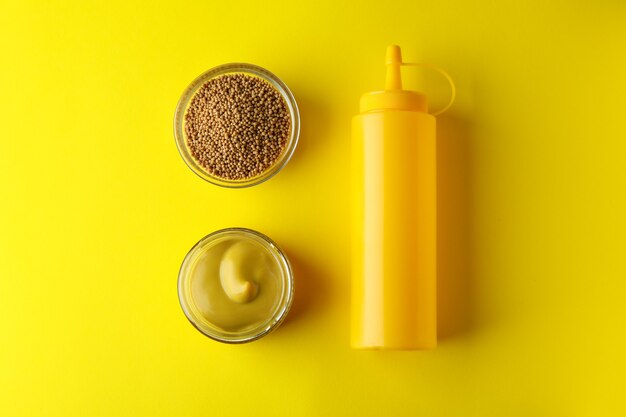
(394, 217)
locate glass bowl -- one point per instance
(236, 68)
(258, 328)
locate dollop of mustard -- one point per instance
(241, 268)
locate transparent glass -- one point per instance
(257, 330)
(235, 68)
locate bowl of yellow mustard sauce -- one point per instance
(235, 285)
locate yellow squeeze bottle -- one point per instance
(394, 217)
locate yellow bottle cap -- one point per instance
(393, 97)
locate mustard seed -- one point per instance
(237, 126)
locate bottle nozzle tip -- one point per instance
(393, 59)
(394, 55)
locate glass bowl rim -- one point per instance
(230, 68)
(281, 311)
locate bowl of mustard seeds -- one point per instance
(236, 125)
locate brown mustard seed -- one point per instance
(237, 126)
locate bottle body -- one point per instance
(394, 230)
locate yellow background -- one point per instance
(97, 209)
